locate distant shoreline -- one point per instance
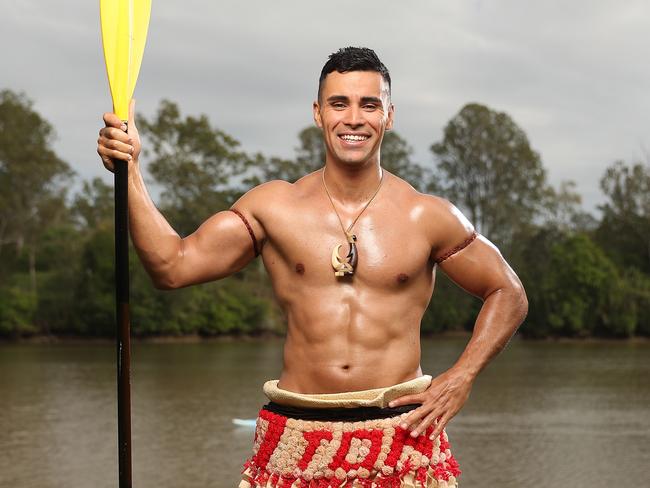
(268, 336)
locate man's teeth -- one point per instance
(353, 138)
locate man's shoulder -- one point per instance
(404, 190)
(432, 206)
(282, 188)
(271, 187)
(438, 207)
(444, 222)
(263, 194)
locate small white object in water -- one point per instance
(245, 422)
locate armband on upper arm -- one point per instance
(249, 228)
(460, 247)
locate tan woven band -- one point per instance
(378, 397)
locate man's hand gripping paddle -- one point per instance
(124, 32)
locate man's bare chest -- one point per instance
(391, 246)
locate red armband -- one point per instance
(249, 228)
(460, 247)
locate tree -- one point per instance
(624, 231)
(196, 165)
(32, 178)
(574, 289)
(562, 210)
(637, 297)
(311, 153)
(486, 166)
(93, 206)
(396, 158)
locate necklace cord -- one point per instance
(347, 232)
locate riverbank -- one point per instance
(183, 339)
(268, 336)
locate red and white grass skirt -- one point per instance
(378, 453)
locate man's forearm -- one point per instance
(502, 313)
(157, 243)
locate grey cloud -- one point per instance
(572, 74)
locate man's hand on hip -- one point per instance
(443, 399)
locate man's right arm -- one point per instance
(221, 246)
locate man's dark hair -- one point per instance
(353, 59)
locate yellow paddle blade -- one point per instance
(141, 13)
(124, 33)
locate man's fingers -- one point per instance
(405, 400)
(116, 145)
(413, 417)
(112, 120)
(422, 427)
(113, 154)
(440, 425)
(117, 134)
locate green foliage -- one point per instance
(32, 179)
(58, 274)
(94, 205)
(578, 277)
(624, 230)
(17, 307)
(32, 203)
(93, 294)
(450, 308)
(225, 307)
(636, 298)
(583, 277)
(575, 289)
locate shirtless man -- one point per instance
(354, 338)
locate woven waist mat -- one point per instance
(376, 397)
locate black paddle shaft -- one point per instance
(123, 323)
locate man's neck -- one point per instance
(352, 185)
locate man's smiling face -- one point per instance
(353, 111)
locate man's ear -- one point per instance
(391, 113)
(317, 118)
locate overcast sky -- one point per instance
(574, 75)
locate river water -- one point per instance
(541, 415)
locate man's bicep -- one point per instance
(221, 246)
(479, 268)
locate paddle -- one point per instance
(124, 32)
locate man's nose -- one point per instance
(354, 116)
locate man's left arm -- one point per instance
(480, 269)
